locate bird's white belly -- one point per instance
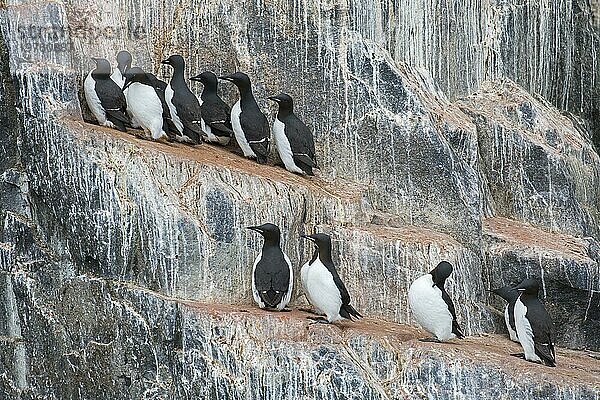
(303, 273)
(208, 131)
(255, 293)
(429, 309)
(524, 331)
(93, 101)
(118, 78)
(169, 99)
(321, 290)
(283, 147)
(236, 111)
(146, 108)
(132, 120)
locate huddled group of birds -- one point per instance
(526, 318)
(130, 97)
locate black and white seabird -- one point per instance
(294, 141)
(118, 76)
(510, 295)
(322, 285)
(272, 275)
(123, 64)
(144, 103)
(534, 326)
(249, 124)
(160, 86)
(216, 114)
(104, 97)
(432, 307)
(183, 104)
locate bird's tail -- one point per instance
(456, 330)
(546, 353)
(271, 297)
(347, 311)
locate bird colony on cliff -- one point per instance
(129, 97)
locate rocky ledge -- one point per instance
(107, 241)
(135, 343)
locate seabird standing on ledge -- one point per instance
(510, 295)
(160, 87)
(432, 307)
(322, 285)
(104, 97)
(250, 125)
(293, 139)
(534, 326)
(272, 275)
(183, 104)
(216, 119)
(143, 103)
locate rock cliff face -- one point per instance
(441, 132)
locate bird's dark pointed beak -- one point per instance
(195, 78)
(167, 62)
(254, 228)
(95, 59)
(307, 237)
(273, 98)
(226, 78)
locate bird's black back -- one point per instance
(188, 108)
(255, 127)
(113, 101)
(301, 141)
(455, 327)
(272, 275)
(542, 327)
(511, 315)
(217, 114)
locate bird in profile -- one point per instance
(535, 329)
(431, 305)
(216, 114)
(250, 125)
(509, 294)
(293, 139)
(104, 97)
(272, 274)
(144, 103)
(160, 86)
(183, 104)
(123, 64)
(323, 286)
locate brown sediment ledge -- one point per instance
(519, 234)
(218, 156)
(490, 351)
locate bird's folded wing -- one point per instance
(118, 114)
(305, 159)
(220, 125)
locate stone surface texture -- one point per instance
(445, 130)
